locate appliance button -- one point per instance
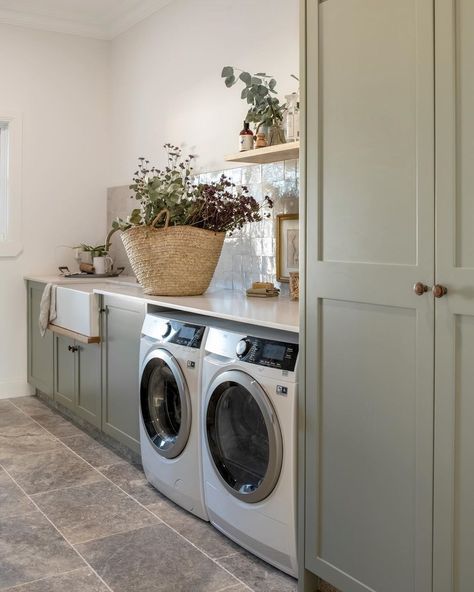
(281, 390)
(191, 364)
(166, 329)
(243, 347)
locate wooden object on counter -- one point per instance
(73, 335)
(263, 290)
(86, 268)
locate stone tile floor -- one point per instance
(76, 516)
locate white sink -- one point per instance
(77, 309)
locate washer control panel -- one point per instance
(183, 334)
(265, 352)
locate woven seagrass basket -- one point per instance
(173, 260)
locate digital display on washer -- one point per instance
(187, 332)
(274, 351)
(187, 335)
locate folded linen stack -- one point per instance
(263, 290)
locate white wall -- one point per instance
(59, 84)
(165, 77)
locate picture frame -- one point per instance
(287, 246)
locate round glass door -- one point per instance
(243, 437)
(165, 404)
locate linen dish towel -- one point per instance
(47, 307)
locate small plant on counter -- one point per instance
(95, 251)
(219, 206)
(260, 93)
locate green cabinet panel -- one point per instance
(65, 371)
(77, 383)
(40, 349)
(88, 372)
(122, 321)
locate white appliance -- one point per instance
(249, 428)
(171, 351)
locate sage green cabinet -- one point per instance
(97, 382)
(122, 321)
(369, 339)
(89, 383)
(77, 378)
(40, 349)
(65, 371)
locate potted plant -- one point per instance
(95, 251)
(174, 237)
(260, 93)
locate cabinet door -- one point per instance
(88, 400)
(65, 371)
(40, 349)
(122, 321)
(369, 339)
(454, 377)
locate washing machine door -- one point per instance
(243, 436)
(165, 404)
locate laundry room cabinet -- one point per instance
(389, 296)
(77, 378)
(122, 321)
(97, 382)
(40, 349)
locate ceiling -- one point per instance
(103, 19)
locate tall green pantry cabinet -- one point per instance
(386, 439)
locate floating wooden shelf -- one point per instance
(72, 335)
(276, 153)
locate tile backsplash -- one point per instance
(249, 254)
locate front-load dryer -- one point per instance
(171, 349)
(249, 428)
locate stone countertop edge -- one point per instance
(275, 313)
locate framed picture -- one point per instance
(287, 246)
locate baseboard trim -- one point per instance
(13, 389)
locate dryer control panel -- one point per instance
(266, 352)
(183, 334)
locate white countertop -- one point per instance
(275, 313)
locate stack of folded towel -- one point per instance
(263, 290)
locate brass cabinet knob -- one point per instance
(419, 288)
(439, 291)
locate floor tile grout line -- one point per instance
(58, 530)
(63, 573)
(147, 509)
(226, 556)
(106, 536)
(56, 489)
(232, 587)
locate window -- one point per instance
(10, 196)
(3, 180)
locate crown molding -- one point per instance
(56, 25)
(129, 18)
(106, 30)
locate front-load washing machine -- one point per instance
(249, 428)
(171, 351)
